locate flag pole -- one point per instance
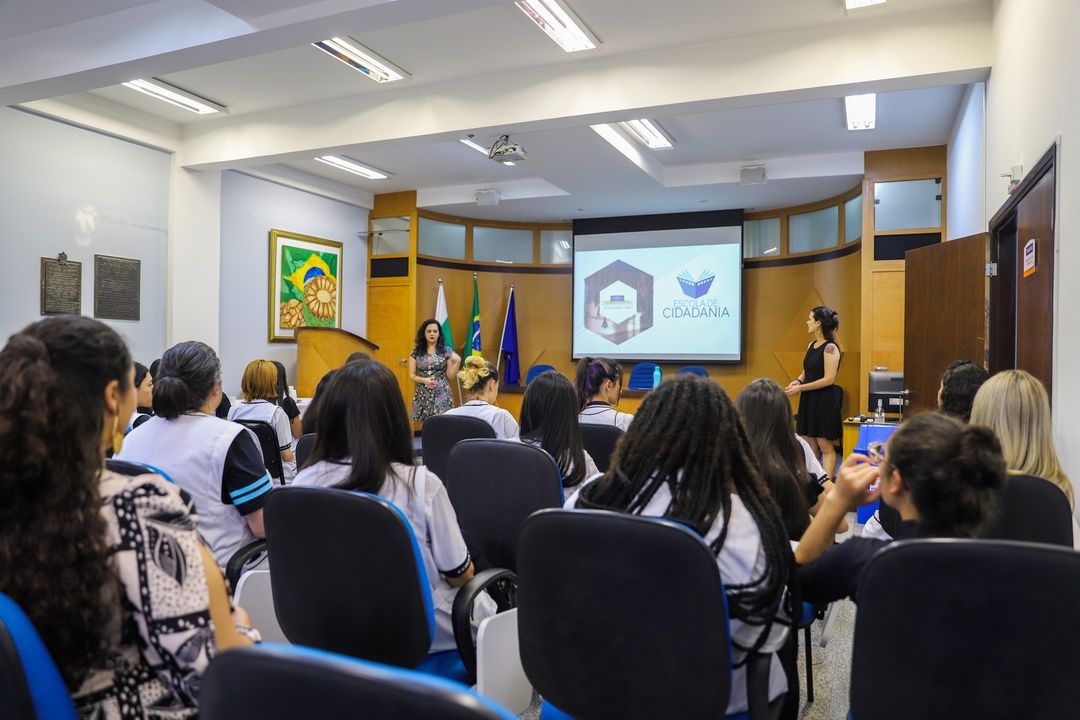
(506, 315)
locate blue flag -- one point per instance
(509, 345)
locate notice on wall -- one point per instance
(117, 287)
(1029, 258)
(61, 286)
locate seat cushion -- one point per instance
(448, 665)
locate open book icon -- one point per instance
(696, 287)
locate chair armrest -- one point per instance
(241, 559)
(757, 688)
(501, 586)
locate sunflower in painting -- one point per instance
(320, 296)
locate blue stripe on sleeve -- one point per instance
(246, 494)
(248, 488)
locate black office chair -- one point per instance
(268, 443)
(599, 442)
(621, 616)
(282, 682)
(303, 449)
(967, 629)
(132, 469)
(347, 576)
(494, 485)
(1033, 509)
(441, 432)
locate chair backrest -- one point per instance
(1033, 509)
(133, 469)
(347, 575)
(599, 442)
(494, 485)
(31, 687)
(693, 370)
(303, 449)
(967, 628)
(441, 432)
(536, 370)
(280, 682)
(268, 443)
(641, 377)
(640, 598)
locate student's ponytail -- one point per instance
(189, 371)
(591, 374)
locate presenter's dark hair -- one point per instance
(54, 558)
(420, 344)
(959, 384)
(766, 414)
(954, 472)
(687, 435)
(188, 373)
(829, 320)
(362, 421)
(591, 374)
(549, 417)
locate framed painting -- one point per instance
(305, 284)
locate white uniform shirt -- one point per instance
(274, 416)
(813, 465)
(600, 413)
(424, 502)
(591, 471)
(501, 420)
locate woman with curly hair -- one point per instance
(432, 366)
(109, 568)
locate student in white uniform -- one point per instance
(480, 386)
(549, 419)
(259, 391)
(686, 457)
(367, 446)
(599, 387)
(219, 463)
(144, 396)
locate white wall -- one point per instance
(1033, 98)
(967, 166)
(249, 209)
(54, 172)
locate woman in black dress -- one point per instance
(818, 421)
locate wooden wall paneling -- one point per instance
(887, 316)
(388, 307)
(1035, 293)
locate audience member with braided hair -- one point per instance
(686, 457)
(480, 389)
(599, 386)
(944, 478)
(549, 419)
(108, 567)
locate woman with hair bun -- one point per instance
(219, 463)
(599, 386)
(818, 421)
(944, 478)
(480, 388)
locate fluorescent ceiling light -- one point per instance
(861, 111)
(361, 59)
(344, 163)
(175, 96)
(649, 133)
(560, 24)
(479, 148)
(858, 4)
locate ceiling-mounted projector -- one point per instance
(487, 197)
(504, 151)
(752, 175)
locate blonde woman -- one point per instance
(260, 393)
(1014, 404)
(480, 388)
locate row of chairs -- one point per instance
(641, 375)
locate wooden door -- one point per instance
(390, 326)
(945, 301)
(1035, 286)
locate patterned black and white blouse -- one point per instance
(161, 636)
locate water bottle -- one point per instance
(879, 415)
(656, 377)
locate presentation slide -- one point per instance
(660, 295)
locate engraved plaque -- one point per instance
(61, 286)
(117, 284)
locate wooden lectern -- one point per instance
(319, 350)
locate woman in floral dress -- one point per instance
(432, 366)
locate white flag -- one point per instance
(443, 318)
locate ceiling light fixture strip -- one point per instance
(351, 166)
(361, 59)
(560, 23)
(648, 133)
(173, 95)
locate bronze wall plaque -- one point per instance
(61, 286)
(117, 285)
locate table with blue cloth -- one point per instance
(871, 432)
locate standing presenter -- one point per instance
(819, 421)
(432, 366)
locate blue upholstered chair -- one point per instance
(536, 370)
(31, 687)
(641, 377)
(304, 447)
(693, 370)
(282, 682)
(347, 576)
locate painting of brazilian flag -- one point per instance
(305, 284)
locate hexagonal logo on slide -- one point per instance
(619, 302)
